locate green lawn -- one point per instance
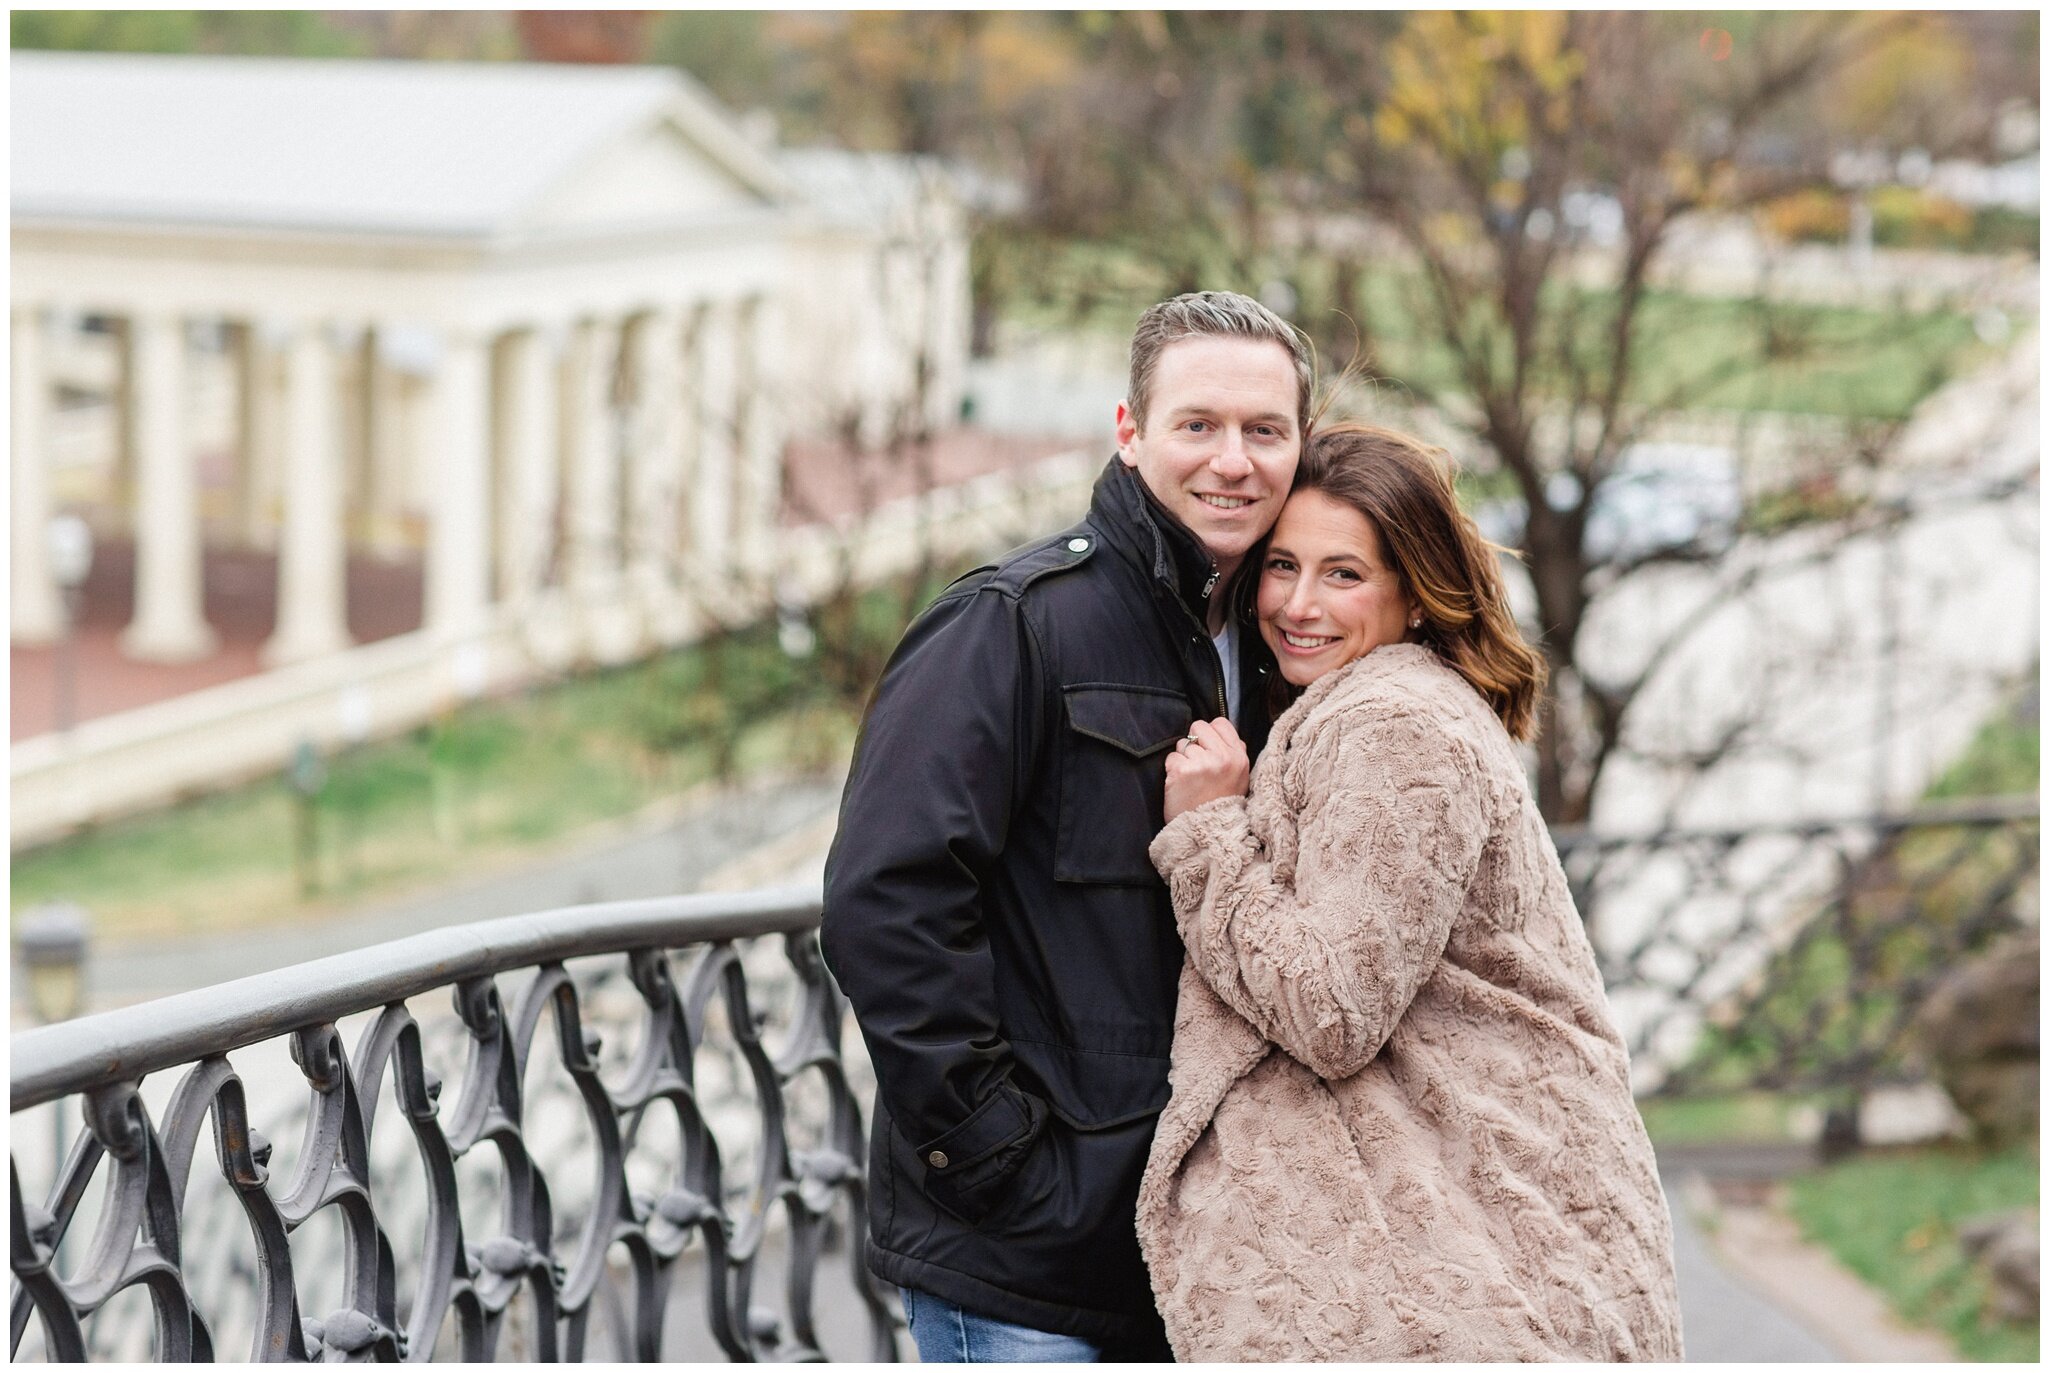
(1695, 352)
(479, 786)
(1713, 353)
(1892, 1219)
(2003, 759)
(464, 792)
(1736, 1118)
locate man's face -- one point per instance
(1220, 444)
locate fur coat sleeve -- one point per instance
(1319, 920)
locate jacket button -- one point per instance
(937, 1159)
(1078, 545)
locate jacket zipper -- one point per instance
(1210, 585)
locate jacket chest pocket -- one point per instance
(1113, 780)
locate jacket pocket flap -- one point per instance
(1139, 720)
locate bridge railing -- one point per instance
(651, 1135)
(1796, 957)
(471, 1256)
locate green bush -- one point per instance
(1997, 229)
(1902, 217)
(1905, 218)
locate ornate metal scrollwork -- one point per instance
(1795, 957)
(532, 1283)
(726, 1117)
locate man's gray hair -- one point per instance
(1209, 314)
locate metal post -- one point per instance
(306, 777)
(51, 941)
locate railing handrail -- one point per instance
(132, 1041)
(1973, 810)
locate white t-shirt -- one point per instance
(1227, 653)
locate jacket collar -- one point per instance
(1142, 531)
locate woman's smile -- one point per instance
(1327, 592)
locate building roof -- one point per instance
(862, 188)
(440, 149)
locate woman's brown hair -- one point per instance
(1443, 562)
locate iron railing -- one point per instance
(433, 1284)
(1795, 957)
(1788, 957)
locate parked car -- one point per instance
(1661, 496)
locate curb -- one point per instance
(1762, 1248)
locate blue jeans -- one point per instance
(945, 1333)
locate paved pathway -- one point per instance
(1722, 1319)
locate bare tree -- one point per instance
(1476, 141)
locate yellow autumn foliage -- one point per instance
(1457, 80)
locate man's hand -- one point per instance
(1210, 763)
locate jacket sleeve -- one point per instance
(953, 729)
(1323, 956)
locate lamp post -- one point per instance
(306, 777)
(70, 543)
(51, 942)
(794, 634)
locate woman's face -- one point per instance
(1327, 594)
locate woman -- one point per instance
(1401, 1125)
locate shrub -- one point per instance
(1904, 218)
(1813, 215)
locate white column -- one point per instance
(529, 451)
(245, 343)
(654, 456)
(592, 458)
(946, 343)
(356, 368)
(759, 487)
(35, 606)
(395, 444)
(458, 546)
(690, 441)
(711, 481)
(313, 548)
(170, 620)
(125, 417)
(266, 416)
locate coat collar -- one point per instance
(1340, 686)
(1140, 529)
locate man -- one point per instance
(990, 908)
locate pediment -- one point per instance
(654, 175)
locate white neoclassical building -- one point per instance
(544, 328)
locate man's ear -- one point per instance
(1128, 430)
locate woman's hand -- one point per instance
(1210, 763)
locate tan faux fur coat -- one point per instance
(1401, 1125)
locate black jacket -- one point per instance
(990, 911)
